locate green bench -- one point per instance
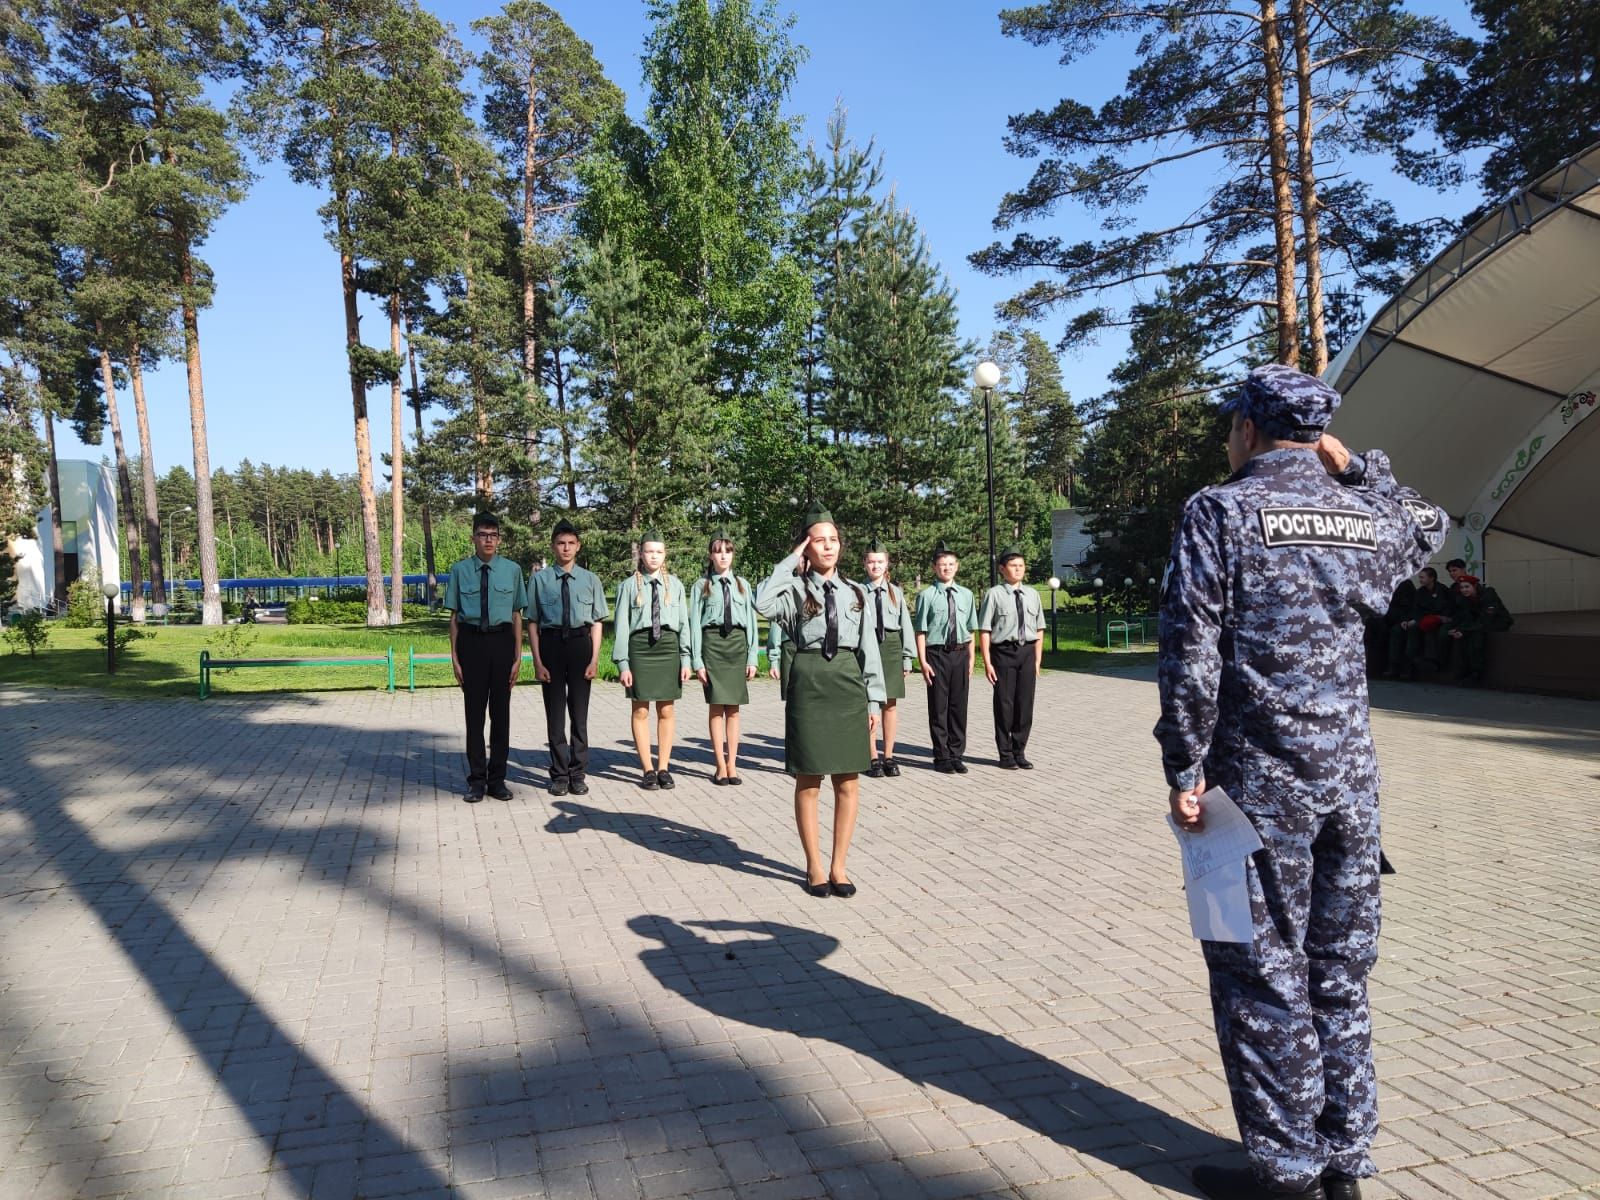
(413, 658)
(208, 664)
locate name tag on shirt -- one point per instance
(1349, 528)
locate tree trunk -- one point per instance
(1315, 318)
(530, 295)
(371, 543)
(397, 455)
(568, 474)
(58, 598)
(205, 519)
(130, 519)
(427, 514)
(1282, 193)
(147, 473)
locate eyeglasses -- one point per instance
(489, 534)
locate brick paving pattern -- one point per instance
(258, 947)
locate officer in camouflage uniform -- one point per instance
(1263, 694)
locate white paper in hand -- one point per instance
(1214, 870)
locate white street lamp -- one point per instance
(986, 375)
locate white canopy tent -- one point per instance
(1480, 379)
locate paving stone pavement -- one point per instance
(258, 947)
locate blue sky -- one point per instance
(933, 81)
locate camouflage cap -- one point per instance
(1285, 403)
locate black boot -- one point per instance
(1340, 1187)
(1240, 1183)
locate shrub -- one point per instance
(233, 641)
(340, 612)
(29, 631)
(86, 607)
(126, 635)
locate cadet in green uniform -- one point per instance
(834, 690)
(1011, 635)
(485, 596)
(725, 648)
(945, 619)
(897, 639)
(566, 612)
(652, 652)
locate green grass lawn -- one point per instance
(167, 662)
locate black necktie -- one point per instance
(950, 618)
(830, 612)
(727, 609)
(566, 604)
(877, 596)
(655, 611)
(1022, 621)
(483, 601)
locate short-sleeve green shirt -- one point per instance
(463, 592)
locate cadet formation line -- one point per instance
(1263, 695)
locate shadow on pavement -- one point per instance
(663, 835)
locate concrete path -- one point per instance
(259, 947)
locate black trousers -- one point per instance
(947, 702)
(1015, 681)
(566, 700)
(486, 660)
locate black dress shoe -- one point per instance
(734, 781)
(817, 889)
(666, 781)
(943, 767)
(1023, 764)
(959, 767)
(1008, 764)
(579, 787)
(474, 794)
(499, 791)
(1240, 1183)
(648, 781)
(845, 890)
(559, 787)
(719, 780)
(875, 771)
(1340, 1187)
(891, 769)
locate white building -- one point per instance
(88, 534)
(1071, 543)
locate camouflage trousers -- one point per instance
(1291, 1008)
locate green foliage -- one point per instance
(125, 636)
(27, 631)
(1529, 90)
(234, 641)
(339, 612)
(86, 607)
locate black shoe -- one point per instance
(1008, 764)
(1023, 764)
(559, 787)
(891, 769)
(943, 767)
(666, 781)
(875, 771)
(499, 791)
(846, 890)
(959, 767)
(579, 787)
(648, 781)
(720, 780)
(735, 781)
(817, 889)
(1340, 1187)
(1240, 1183)
(474, 791)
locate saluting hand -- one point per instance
(1333, 453)
(800, 548)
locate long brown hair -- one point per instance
(813, 606)
(705, 587)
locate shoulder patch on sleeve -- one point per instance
(1425, 514)
(1348, 528)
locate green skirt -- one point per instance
(825, 717)
(657, 670)
(894, 657)
(725, 659)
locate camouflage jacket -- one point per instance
(1262, 674)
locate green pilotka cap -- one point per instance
(1010, 552)
(563, 526)
(651, 535)
(876, 546)
(817, 515)
(941, 548)
(720, 534)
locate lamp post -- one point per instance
(1055, 586)
(172, 561)
(110, 591)
(1099, 597)
(1155, 601)
(335, 570)
(986, 374)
